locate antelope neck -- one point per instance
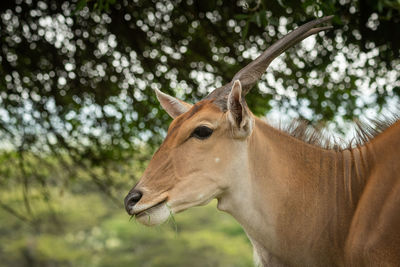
(302, 198)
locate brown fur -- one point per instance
(300, 203)
(302, 199)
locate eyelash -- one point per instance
(202, 132)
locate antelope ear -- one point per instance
(239, 114)
(173, 106)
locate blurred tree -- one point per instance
(76, 77)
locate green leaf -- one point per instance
(379, 6)
(79, 6)
(245, 31)
(241, 16)
(258, 19)
(263, 18)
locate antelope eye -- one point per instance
(202, 132)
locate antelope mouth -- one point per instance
(151, 215)
(150, 209)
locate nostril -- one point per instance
(131, 199)
(135, 197)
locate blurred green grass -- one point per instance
(86, 229)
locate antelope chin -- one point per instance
(155, 215)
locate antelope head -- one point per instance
(204, 155)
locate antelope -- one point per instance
(300, 202)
